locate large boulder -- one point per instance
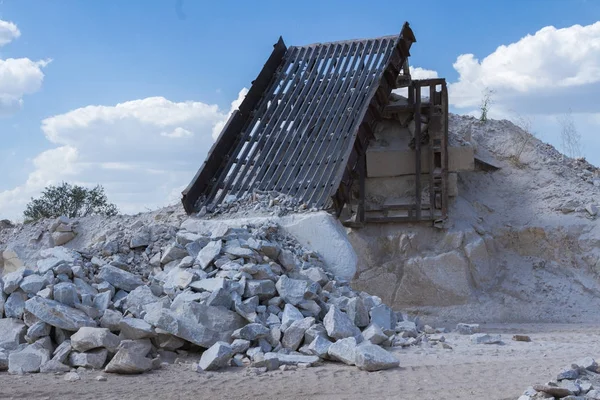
(87, 338)
(30, 359)
(251, 332)
(66, 293)
(384, 317)
(483, 266)
(294, 334)
(208, 253)
(90, 359)
(343, 350)
(12, 261)
(15, 304)
(57, 314)
(370, 357)
(292, 291)
(131, 358)
(338, 325)
(12, 333)
(135, 328)
(216, 356)
(119, 278)
(138, 298)
(197, 323)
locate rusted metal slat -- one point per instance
(288, 179)
(221, 147)
(431, 154)
(380, 59)
(301, 128)
(323, 121)
(246, 134)
(274, 133)
(417, 90)
(263, 135)
(290, 89)
(445, 151)
(363, 41)
(314, 123)
(397, 60)
(327, 157)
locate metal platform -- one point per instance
(305, 124)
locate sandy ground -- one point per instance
(466, 372)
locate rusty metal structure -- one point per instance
(305, 124)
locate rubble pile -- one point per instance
(248, 296)
(258, 201)
(580, 380)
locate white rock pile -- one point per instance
(245, 296)
(258, 201)
(578, 381)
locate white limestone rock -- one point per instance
(338, 325)
(370, 357)
(215, 357)
(87, 338)
(343, 350)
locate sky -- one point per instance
(131, 94)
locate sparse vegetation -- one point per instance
(525, 135)
(486, 102)
(71, 201)
(569, 135)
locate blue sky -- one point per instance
(199, 55)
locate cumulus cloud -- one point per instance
(8, 32)
(422, 73)
(144, 152)
(18, 76)
(553, 65)
(178, 132)
(540, 76)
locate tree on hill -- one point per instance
(71, 201)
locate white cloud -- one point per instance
(421, 73)
(178, 132)
(144, 152)
(18, 76)
(8, 32)
(538, 77)
(552, 62)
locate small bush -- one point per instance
(71, 201)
